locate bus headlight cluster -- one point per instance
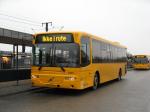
(35, 76)
(70, 78)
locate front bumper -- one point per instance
(57, 81)
(141, 67)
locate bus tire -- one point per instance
(120, 75)
(95, 82)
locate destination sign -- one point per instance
(140, 56)
(54, 38)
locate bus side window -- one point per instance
(85, 51)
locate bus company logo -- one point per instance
(54, 39)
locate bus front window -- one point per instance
(141, 60)
(56, 54)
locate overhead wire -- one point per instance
(11, 18)
(8, 19)
(28, 24)
(23, 19)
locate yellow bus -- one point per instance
(75, 60)
(141, 62)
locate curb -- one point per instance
(12, 87)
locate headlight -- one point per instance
(70, 78)
(35, 76)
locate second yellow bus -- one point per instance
(141, 62)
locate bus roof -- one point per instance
(84, 33)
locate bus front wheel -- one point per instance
(95, 82)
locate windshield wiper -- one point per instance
(40, 67)
(62, 68)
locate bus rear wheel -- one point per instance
(95, 82)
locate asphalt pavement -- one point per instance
(132, 94)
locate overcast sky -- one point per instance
(125, 21)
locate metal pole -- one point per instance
(23, 48)
(23, 56)
(17, 66)
(46, 25)
(13, 58)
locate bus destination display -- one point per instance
(54, 38)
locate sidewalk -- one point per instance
(11, 87)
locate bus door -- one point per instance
(85, 58)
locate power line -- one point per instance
(22, 29)
(11, 20)
(25, 21)
(18, 18)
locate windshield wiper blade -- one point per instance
(62, 68)
(40, 67)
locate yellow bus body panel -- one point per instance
(56, 78)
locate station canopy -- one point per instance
(14, 37)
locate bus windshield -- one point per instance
(141, 60)
(56, 54)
